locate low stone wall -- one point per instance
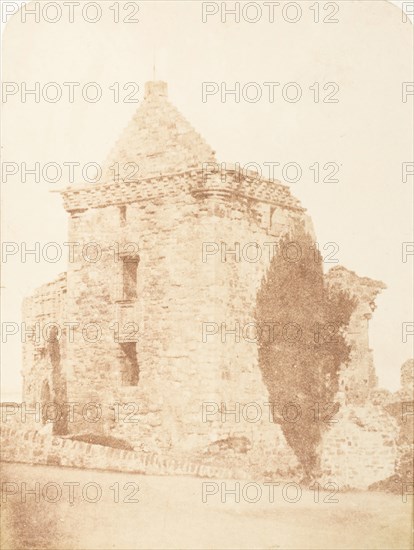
(361, 448)
(31, 447)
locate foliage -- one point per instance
(301, 356)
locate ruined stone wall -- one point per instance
(360, 448)
(44, 346)
(357, 378)
(400, 406)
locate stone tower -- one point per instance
(159, 291)
(158, 300)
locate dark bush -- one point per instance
(300, 366)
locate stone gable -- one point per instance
(158, 139)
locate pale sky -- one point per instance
(368, 54)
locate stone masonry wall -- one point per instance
(361, 447)
(31, 447)
(357, 377)
(44, 346)
(177, 293)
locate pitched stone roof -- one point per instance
(158, 139)
(172, 158)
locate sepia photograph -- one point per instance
(207, 257)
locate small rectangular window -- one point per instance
(129, 367)
(130, 268)
(122, 215)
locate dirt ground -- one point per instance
(151, 512)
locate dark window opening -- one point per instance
(130, 268)
(130, 368)
(122, 214)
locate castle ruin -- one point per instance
(126, 318)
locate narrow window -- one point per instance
(122, 215)
(130, 268)
(129, 367)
